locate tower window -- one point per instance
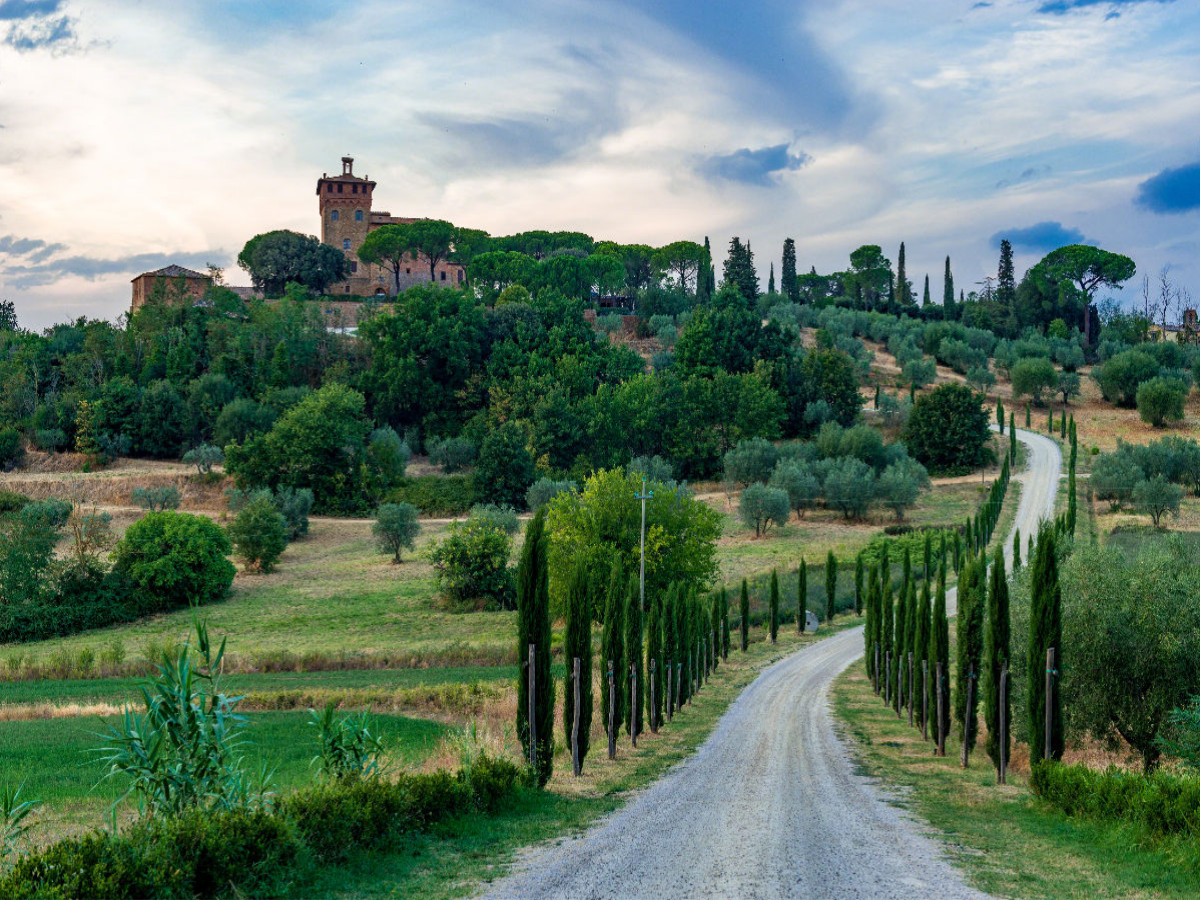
(339, 188)
(358, 217)
(333, 216)
(329, 187)
(345, 243)
(354, 188)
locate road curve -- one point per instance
(770, 806)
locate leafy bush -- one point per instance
(51, 440)
(259, 535)
(348, 749)
(452, 454)
(900, 485)
(156, 499)
(1160, 399)
(395, 528)
(11, 450)
(948, 431)
(294, 504)
(652, 468)
(750, 461)
(761, 507)
(502, 517)
(175, 559)
(388, 455)
(204, 457)
(241, 420)
(849, 486)
(1157, 497)
(1032, 377)
(435, 495)
(1114, 476)
(472, 566)
(1123, 374)
(1181, 735)
(11, 501)
(504, 470)
(798, 482)
(236, 853)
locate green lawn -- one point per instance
(1007, 841)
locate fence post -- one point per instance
(669, 698)
(532, 709)
(910, 689)
(925, 700)
(575, 724)
(1050, 673)
(887, 689)
(653, 697)
(612, 709)
(678, 678)
(941, 730)
(1001, 776)
(969, 722)
(633, 704)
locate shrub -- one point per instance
(761, 507)
(259, 535)
(348, 749)
(175, 559)
(294, 504)
(502, 517)
(667, 335)
(1160, 399)
(1120, 377)
(948, 431)
(50, 440)
(395, 528)
(920, 372)
(472, 566)
(800, 484)
(11, 501)
(750, 461)
(652, 468)
(236, 853)
(544, 490)
(204, 457)
(156, 499)
(849, 486)
(436, 495)
(1114, 476)
(388, 455)
(11, 450)
(241, 420)
(452, 454)
(900, 485)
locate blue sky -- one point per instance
(133, 134)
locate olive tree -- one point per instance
(850, 486)
(762, 507)
(900, 485)
(1160, 399)
(798, 482)
(1156, 497)
(396, 528)
(1032, 376)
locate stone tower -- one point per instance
(345, 204)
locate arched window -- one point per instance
(333, 216)
(358, 215)
(345, 243)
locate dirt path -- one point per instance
(771, 805)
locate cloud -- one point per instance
(1028, 174)
(1042, 236)
(38, 270)
(27, 9)
(1171, 190)
(754, 166)
(15, 246)
(35, 24)
(1061, 7)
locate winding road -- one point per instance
(770, 806)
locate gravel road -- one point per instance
(770, 805)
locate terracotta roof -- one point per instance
(173, 271)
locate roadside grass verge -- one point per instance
(1007, 841)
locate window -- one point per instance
(381, 279)
(353, 267)
(461, 276)
(346, 290)
(333, 216)
(345, 243)
(443, 276)
(354, 188)
(329, 187)
(339, 188)
(358, 215)
(408, 271)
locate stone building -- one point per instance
(346, 219)
(171, 282)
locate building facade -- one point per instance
(173, 283)
(347, 218)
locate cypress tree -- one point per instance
(724, 623)
(900, 647)
(773, 609)
(705, 277)
(996, 647)
(1062, 423)
(1000, 414)
(910, 637)
(578, 645)
(1045, 631)
(1027, 414)
(1016, 554)
(925, 299)
(958, 543)
(1071, 511)
(612, 643)
(744, 614)
(1012, 437)
(920, 642)
(683, 612)
(634, 664)
(670, 645)
(788, 283)
(948, 311)
(1006, 282)
(739, 270)
(802, 597)
(831, 574)
(533, 627)
(904, 289)
(870, 626)
(1050, 421)
(939, 651)
(771, 281)
(715, 635)
(969, 624)
(655, 658)
(858, 584)
(927, 557)
(887, 636)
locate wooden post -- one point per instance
(612, 710)
(1049, 704)
(575, 760)
(887, 689)
(910, 689)
(941, 731)
(678, 678)
(875, 671)
(532, 709)
(668, 697)
(925, 700)
(653, 697)
(1002, 774)
(969, 724)
(633, 704)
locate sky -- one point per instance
(138, 134)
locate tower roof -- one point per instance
(173, 271)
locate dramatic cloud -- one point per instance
(754, 166)
(35, 273)
(35, 25)
(1171, 190)
(1059, 7)
(27, 9)
(1042, 237)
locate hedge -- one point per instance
(436, 495)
